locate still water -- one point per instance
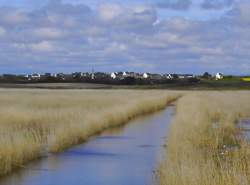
(125, 156)
(245, 126)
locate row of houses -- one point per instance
(122, 75)
(38, 76)
(113, 75)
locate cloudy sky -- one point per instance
(165, 36)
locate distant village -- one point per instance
(127, 78)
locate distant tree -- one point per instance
(206, 75)
(228, 77)
(175, 76)
(193, 80)
(128, 81)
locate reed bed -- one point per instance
(205, 145)
(34, 123)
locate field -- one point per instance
(205, 146)
(246, 79)
(55, 86)
(36, 122)
(203, 84)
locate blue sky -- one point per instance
(165, 36)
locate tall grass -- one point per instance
(35, 122)
(205, 147)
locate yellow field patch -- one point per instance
(246, 79)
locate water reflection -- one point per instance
(125, 156)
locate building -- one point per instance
(168, 76)
(93, 74)
(185, 76)
(61, 76)
(101, 75)
(35, 76)
(155, 76)
(113, 75)
(145, 75)
(219, 76)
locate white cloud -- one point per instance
(49, 33)
(216, 4)
(116, 47)
(94, 31)
(127, 17)
(177, 4)
(14, 17)
(2, 31)
(108, 12)
(207, 51)
(244, 9)
(44, 46)
(179, 24)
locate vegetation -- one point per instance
(176, 84)
(247, 79)
(205, 146)
(36, 122)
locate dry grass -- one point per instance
(205, 147)
(35, 122)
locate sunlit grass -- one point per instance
(246, 79)
(204, 146)
(35, 122)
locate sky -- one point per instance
(161, 36)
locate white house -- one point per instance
(219, 76)
(27, 76)
(113, 75)
(124, 74)
(169, 76)
(53, 75)
(181, 76)
(145, 75)
(35, 76)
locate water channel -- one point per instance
(123, 156)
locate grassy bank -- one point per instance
(36, 122)
(205, 146)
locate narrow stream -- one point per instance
(125, 156)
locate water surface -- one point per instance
(124, 156)
(245, 126)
